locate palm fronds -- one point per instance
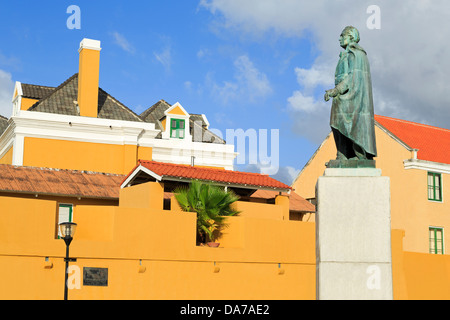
(211, 203)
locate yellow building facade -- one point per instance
(135, 235)
(412, 210)
(79, 126)
(150, 253)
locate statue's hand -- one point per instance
(330, 94)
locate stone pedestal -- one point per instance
(353, 235)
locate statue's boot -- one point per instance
(359, 152)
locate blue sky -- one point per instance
(245, 64)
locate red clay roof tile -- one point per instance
(59, 182)
(433, 143)
(210, 174)
(296, 202)
(99, 185)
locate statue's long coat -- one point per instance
(352, 110)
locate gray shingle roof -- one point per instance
(63, 100)
(155, 114)
(3, 124)
(36, 92)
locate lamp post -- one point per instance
(67, 230)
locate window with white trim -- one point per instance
(177, 128)
(65, 214)
(434, 186)
(436, 240)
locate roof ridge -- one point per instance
(62, 85)
(101, 91)
(61, 170)
(120, 104)
(45, 90)
(431, 142)
(204, 168)
(45, 181)
(169, 170)
(149, 110)
(413, 123)
(38, 85)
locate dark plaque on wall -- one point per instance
(97, 277)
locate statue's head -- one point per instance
(349, 35)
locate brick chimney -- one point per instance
(88, 77)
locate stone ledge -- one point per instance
(352, 172)
(350, 164)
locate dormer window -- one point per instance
(176, 123)
(177, 127)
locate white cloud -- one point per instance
(309, 111)
(6, 93)
(285, 174)
(309, 80)
(317, 75)
(122, 42)
(164, 57)
(300, 102)
(256, 82)
(223, 119)
(249, 83)
(408, 55)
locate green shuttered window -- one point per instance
(177, 128)
(434, 186)
(436, 239)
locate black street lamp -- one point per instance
(67, 230)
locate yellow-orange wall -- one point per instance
(275, 257)
(151, 254)
(305, 184)
(27, 103)
(410, 208)
(177, 111)
(7, 158)
(74, 155)
(418, 276)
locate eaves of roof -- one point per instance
(432, 143)
(55, 182)
(33, 91)
(63, 100)
(184, 173)
(296, 202)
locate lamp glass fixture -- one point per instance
(67, 229)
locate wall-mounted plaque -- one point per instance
(97, 277)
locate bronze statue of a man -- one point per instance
(352, 115)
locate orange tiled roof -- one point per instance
(210, 174)
(296, 202)
(433, 143)
(59, 182)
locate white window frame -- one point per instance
(61, 215)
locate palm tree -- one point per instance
(211, 203)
